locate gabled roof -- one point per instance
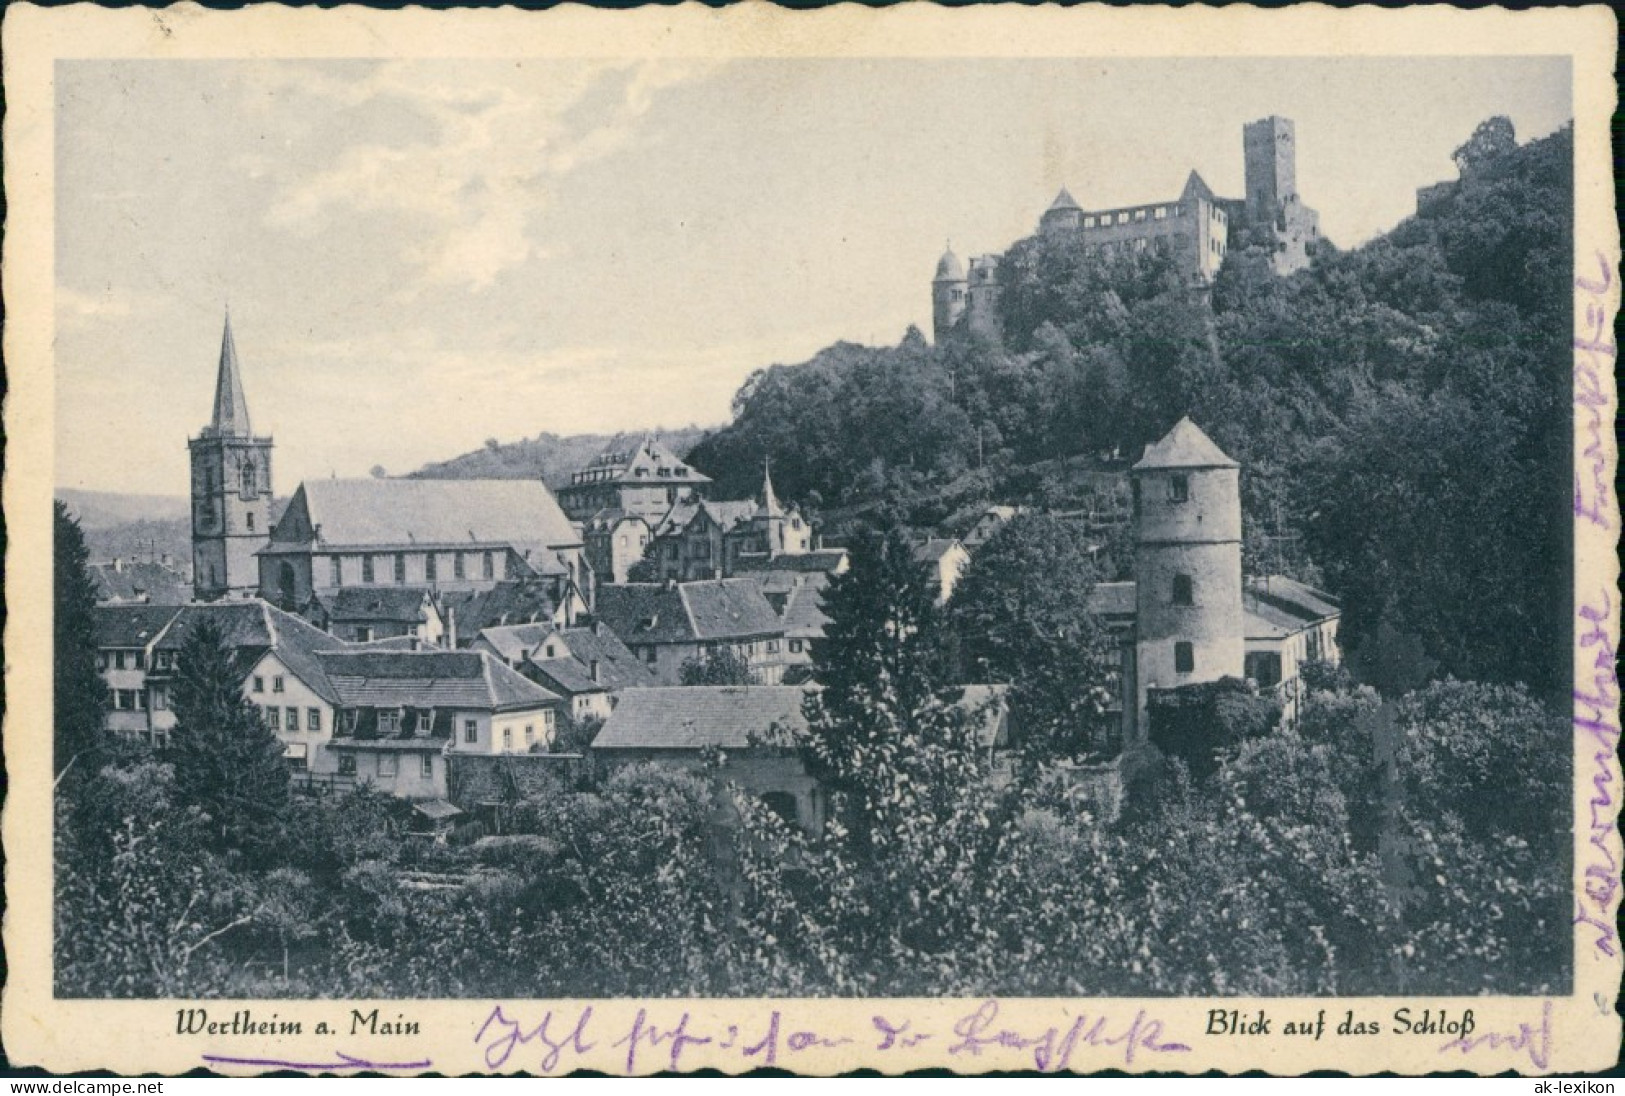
(151, 582)
(934, 549)
(430, 679)
(514, 642)
(618, 667)
(1185, 446)
(1063, 200)
(726, 514)
(254, 628)
(691, 612)
(827, 561)
(803, 613)
(512, 601)
(641, 464)
(404, 604)
(131, 626)
(1196, 187)
(414, 513)
(230, 406)
(693, 717)
(1299, 600)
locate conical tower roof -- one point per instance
(1063, 200)
(1185, 446)
(230, 406)
(949, 268)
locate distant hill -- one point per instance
(548, 456)
(137, 527)
(107, 509)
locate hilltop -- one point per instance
(550, 457)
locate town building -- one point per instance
(135, 582)
(614, 542)
(706, 539)
(139, 649)
(989, 522)
(646, 480)
(755, 726)
(666, 625)
(539, 599)
(405, 716)
(231, 489)
(366, 613)
(798, 598)
(945, 561)
(1196, 229)
(586, 666)
(439, 535)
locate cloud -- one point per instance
(472, 188)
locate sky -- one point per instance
(421, 255)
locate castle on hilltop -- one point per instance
(1196, 229)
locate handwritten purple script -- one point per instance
(1596, 712)
(1535, 1039)
(563, 1038)
(344, 1062)
(1595, 360)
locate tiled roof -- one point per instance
(377, 513)
(396, 603)
(513, 642)
(430, 679)
(827, 560)
(252, 627)
(1196, 187)
(1297, 598)
(803, 614)
(515, 601)
(648, 456)
(1064, 200)
(934, 549)
(1185, 446)
(642, 613)
(618, 668)
(696, 716)
(152, 582)
(730, 608)
(131, 626)
(566, 676)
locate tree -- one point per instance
(227, 761)
(723, 666)
(1493, 139)
(1022, 617)
(644, 570)
(79, 696)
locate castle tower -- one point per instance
(231, 490)
(1269, 152)
(1063, 215)
(1187, 568)
(947, 295)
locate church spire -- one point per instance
(770, 502)
(230, 407)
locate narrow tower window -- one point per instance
(338, 571)
(1182, 590)
(400, 567)
(1179, 488)
(1184, 658)
(366, 569)
(430, 567)
(249, 486)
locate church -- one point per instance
(437, 536)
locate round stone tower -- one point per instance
(1187, 567)
(947, 294)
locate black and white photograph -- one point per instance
(623, 527)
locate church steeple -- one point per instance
(770, 502)
(230, 407)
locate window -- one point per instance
(1182, 590)
(429, 568)
(295, 756)
(160, 699)
(363, 633)
(507, 739)
(796, 646)
(400, 567)
(347, 765)
(313, 719)
(291, 719)
(547, 726)
(389, 723)
(1088, 222)
(457, 565)
(1184, 658)
(338, 571)
(471, 730)
(489, 565)
(140, 700)
(366, 569)
(101, 660)
(1122, 218)
(388, 765)
(259, 684)
(248, 478)
(249, 517)
(772, 646)
(1179, 488)
(1264, 667)
(530, 734)
(118, 660)
(276, 684)
(273, 718)
(428, 767)
(649, 655)
(1162, 213)
(140, 659)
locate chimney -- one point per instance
(118, 564)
